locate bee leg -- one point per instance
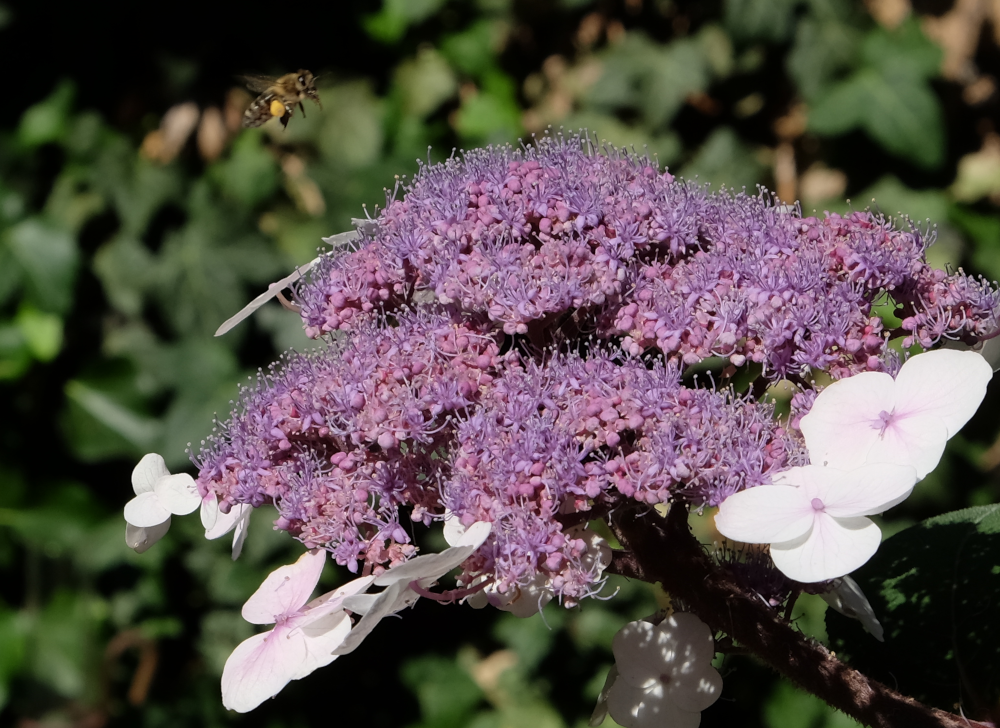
(303, 109)
(284, 120)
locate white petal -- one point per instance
(272, 290)
(434, 566)
(286, 589)
(385, 604)
(139, 539)
(341, 239)
(210, 511)
(848, 599)
(335, 599)
(636, 708)
(844, 421)
(240, 532)
(834, 547)
(148, 470)
(226, 522)
(946, 385)
(321, 637)
(915, 441)
(453, 528)
(145, 510)
(766, 513)
(601, 709)
(178, 494)
(865, 491)
(260, 667)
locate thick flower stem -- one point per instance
(664, 550)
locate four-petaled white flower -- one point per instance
(158, 495)
(398, 581)
(304, 635)
(873, 418)
(664, 674)
(814, 517)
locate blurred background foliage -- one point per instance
(136, 215)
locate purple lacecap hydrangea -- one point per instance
(513, 331)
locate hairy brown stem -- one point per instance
(664, 550)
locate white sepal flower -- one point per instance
(218, 524)
(665, 674)
(873, 418)
(814, 517)
(847, 598)
(398, 593)
(304, 635)
(158, 495)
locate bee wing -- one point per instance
(278, 286)
(257, 83)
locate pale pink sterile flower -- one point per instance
(304, 635)
(218, 524)
(158, 495)
(665, 674)
(422, 571)
(874, 418)
(814, 516)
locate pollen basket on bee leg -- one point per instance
(277, 108)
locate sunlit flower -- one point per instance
(158, 495)
(304, 635)
(399, 581)
(846, 597)
(814, 516)
(874, 418)
(664, 674)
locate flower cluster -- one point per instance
(508, 350)
(552, 240)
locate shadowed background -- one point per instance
(136, 215)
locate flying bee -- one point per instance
(278, 96)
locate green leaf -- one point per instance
(42, 332)
(492, 115)
(353, 135)
(425, 82)
(905, 48)
(898, 109)
(985, 233)
(933, 587)
(250, 174)
(474, 51)
(724, 159)
(48, 120)
(99, 423)
(63, 649)
(12, 650)
(389, 25)
(768, 20)
(446, 693)
(49, 257)
(823, 47)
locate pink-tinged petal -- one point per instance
(916, 441)
(320, 636)
(385, 603)
(945, 385)
(765, 514)
(178, 494)
(325, 603)
(834, 547)
(226, 522)
(867, 490)
(286, 589)
(260, 667)
(140, 539)
(240, 532)
(148, 470)
(434, 566)
(272, 290)
(844, 421)
(145, 511)
(210, 511)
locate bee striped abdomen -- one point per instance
(258, 112)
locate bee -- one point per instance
(278, 96)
